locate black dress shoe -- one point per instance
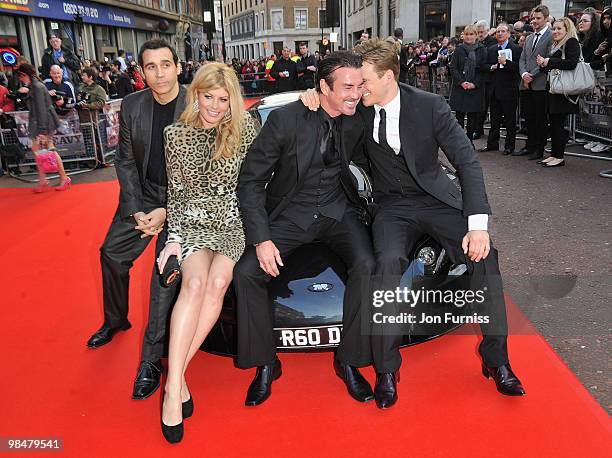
(147, 379)
(535, 156)
(105, 334)
(385, 391)
(487, 149)
(187, 407)
(261, 386)
(507, 383)
(173, 434)
(523, 152)
(508, 151)
(357, 386)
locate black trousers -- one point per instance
(558, 134)
(351, 242)
(505, 109)
(398, 224)
(482, 116)
(121, 247)
(472, 122)
(536, 119)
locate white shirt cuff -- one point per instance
(523, 74)
(478, 222)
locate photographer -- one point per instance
(120, 83)
(56, 54)
(91, 96)
(61, 92)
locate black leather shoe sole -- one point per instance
(102, 342)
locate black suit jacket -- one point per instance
(504, 81)
(426, 124)
(132, 156)
(276, 164)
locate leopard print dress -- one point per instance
(202, 208)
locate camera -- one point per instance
(82, 98)
(58, 95)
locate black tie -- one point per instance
(535, 42)
(327, 146)
(382, 129)
(500, 47)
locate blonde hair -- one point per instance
(218, 76)
(569, 28)
(470, 29)
(381, 54)
(394, 42)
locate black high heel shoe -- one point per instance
(187, 407)
(173, 434)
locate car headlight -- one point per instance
(427, 255)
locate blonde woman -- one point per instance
(564, 54)
(204, 153)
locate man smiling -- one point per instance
(141, 214)
(295, 186)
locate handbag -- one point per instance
(172, 272)
(578, 81)
(47, 161)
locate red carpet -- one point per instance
(52, 385)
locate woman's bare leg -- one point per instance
(219, 279)
(183, 324)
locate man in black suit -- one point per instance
(284, 71)
(504, 92)
(141, 170)
(295, 186)
(413, 196)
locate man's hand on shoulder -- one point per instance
(310, 99)
(476, 245)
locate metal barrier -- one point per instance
(255, 84)
(82, 141)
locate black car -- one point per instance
(308, 293)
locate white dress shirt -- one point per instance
(477, 222)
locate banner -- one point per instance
(111, 110)
(596, 107)
(65, 10)
(68, 138)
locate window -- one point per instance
(301, 18)
(276, 16)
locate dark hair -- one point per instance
(303, 43)
(398, 33)
(156, 44)
(27, 69)
(334, 61)
(116, 63)
(541, 9)
(91, 72)
(121, 52)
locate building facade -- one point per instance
(257, 28)
(428, 19)
(98, 29)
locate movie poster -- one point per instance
(596, 107)
(111, 110)
(68, 138)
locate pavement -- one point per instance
(552, 228)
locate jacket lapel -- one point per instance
(146, 115)
(306, 129)
(408, 121)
